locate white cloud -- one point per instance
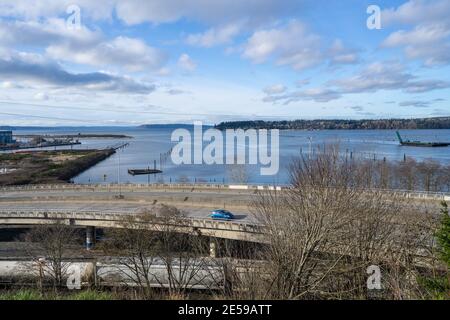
(386, 76)
(417, 11)
(186, 63)
(215, 36)
(314, 94)
(292, 45)
(215, 12)
(82, 46)
(339, 54)
(302, 82)
(132, 12)
(373, 78)
(175, 92)
(357, 108)
(296, 46)
(131, 54)
(43, 33)
(275, 89)
(421, 35)
(429, 39)
(376, 76)
(163, 72)
(11, 85)
(428, 42)
(37, 69)
(415, 104)
(41, 96)
(47, 8)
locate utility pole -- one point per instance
(118, 173)
(310, 146)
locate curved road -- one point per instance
(195, 200)
(195, 204)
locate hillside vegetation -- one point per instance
(420, 123)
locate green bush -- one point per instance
(438, 286)
(21, 295)
(91, 295)
(13, 156)
(29, 294)
(443, 235)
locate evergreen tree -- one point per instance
(438, 287)
(443, 235)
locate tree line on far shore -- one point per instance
(392, 124)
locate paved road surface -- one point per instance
(218, 196)
(105, 207)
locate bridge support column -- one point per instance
(90, 238)
(212, 248)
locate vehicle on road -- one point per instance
(221, 214)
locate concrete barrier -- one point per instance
(198, 187)
(238, 187)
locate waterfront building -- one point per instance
(6, 137)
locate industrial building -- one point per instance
(6, 137)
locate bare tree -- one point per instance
(305, 224)
(407, 174)
(134, 246)
(428, 170)
(182, 252)
(384, 174)
(445, 179)
(159, 247)
(329, 227)
(54, 245)
(412, 251)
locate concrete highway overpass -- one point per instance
(105, 206)
(108, 206)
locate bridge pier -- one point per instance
(212, 248)
(90, 237)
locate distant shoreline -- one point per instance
(75, 136)
(312, 125)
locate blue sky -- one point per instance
(159, 61)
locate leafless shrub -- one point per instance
(134, 246)
(49, 260)
(159, 247)
(329, 227)
(429, 170)
(182, 253)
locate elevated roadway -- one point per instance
(107, 205)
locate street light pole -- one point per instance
(118, 172)
(310, 147)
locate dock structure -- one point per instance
(420, 143)
(135, 172)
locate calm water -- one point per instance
(149, 145)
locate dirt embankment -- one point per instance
(48, 166)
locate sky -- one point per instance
(111, 62)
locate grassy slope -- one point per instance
(35, 168)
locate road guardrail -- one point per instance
(197, 186)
